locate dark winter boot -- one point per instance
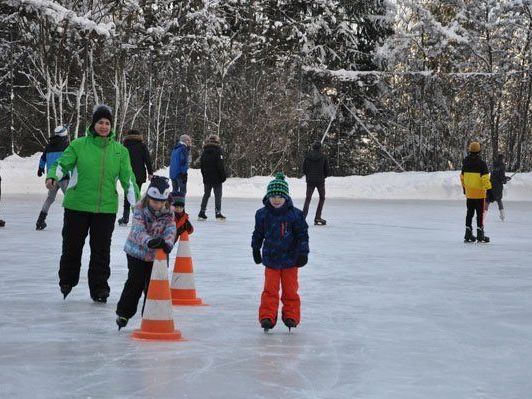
(101, 296)
(219, 216)
(202, 216)
(65, 290)
(41, 225)
(123, 221)
(290, 323)
(320, 222)
(2, 223)
(267, 324)
(469, 237)
(481, 237)
(121, 322)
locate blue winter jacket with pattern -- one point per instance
(148, 225)
(282, 233)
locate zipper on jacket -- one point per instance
(102, 172)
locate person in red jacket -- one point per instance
(182, 220)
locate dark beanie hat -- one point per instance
(316, 145)
(101, 111)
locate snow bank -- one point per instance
(19, 176)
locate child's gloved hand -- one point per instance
(40, 172)
(302, 260)
(157, 242)
(256, 256)
(167, 248)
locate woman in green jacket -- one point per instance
(95, 162)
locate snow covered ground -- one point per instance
(395, 305)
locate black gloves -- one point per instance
(508, 178)
(256, 256)
(158, 242)
(302, 260)
(184, 177)
(40, 172)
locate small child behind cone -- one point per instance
(282, 233)
(153, 227)
(181, 218)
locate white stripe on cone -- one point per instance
(183, 281)
(159, 271)
(157, 309)
(183, 250)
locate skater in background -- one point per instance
(53, 151)
(316, 170)
(97, 161)
(213, 172)
(182, 221)
(153, 227)
(475, 181)
(282, 233)
(498, 179)
(140, 163)
(179, 162)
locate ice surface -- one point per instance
(394, 305)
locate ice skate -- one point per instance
(320, 222)
(481, 237)
(202, 216)
(121, 322)
(123, 221)
(290, 323)
(469, 237)
(267, 324)
(65, 290)
(220, 217)
(41, 225)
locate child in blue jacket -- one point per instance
(281, 231)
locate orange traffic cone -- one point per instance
(157, 319)
(182, 287)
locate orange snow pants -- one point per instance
(269, 303)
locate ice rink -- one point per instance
(394, 305)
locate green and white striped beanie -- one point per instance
(278, 186)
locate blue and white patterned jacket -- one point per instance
(148, 225)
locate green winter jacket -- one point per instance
(95, 163)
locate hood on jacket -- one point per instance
(133, 137)
(58, 140)
(315, 154)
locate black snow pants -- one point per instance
(76, 226)
(310, 191)
(475, 205)
(138, 280)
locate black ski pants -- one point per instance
(76, 226)
(127, 205)
(475, 205)
(138, 280)
(310, 191)
(217, 188)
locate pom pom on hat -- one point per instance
(61, 131)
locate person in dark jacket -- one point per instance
(498, 179)
(316, 170)
(53, 151)
(282, 233)
(140, 162)
(213, 172)
(179, 161)
(475, 180)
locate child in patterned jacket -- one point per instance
(153, 227)
(282, 233)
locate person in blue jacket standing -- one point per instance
(179, 161)
(282, 234)
(53, 151)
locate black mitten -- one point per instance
(256, 256)
(302, 260)
(40, 172)
(156, 242)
